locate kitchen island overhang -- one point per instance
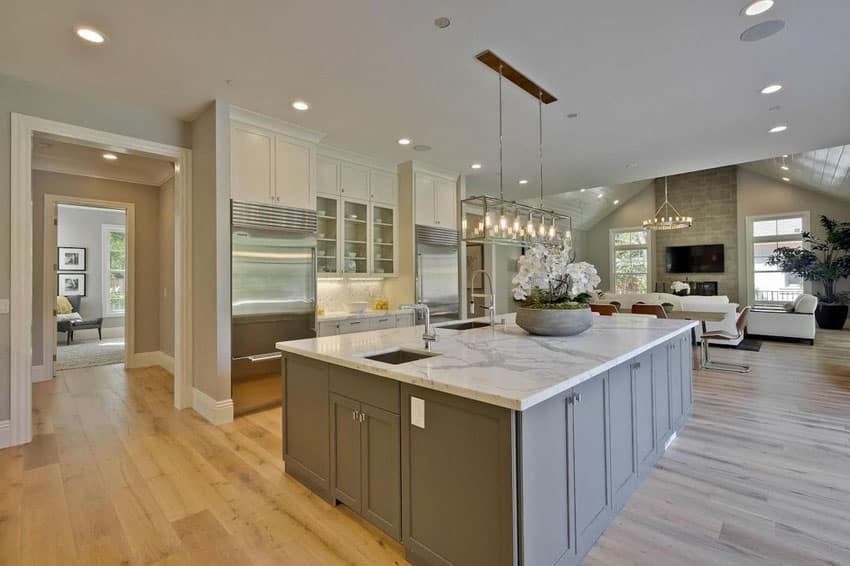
(526, 445)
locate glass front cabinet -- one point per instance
(383, 239)
(355, 237)
(327, 242)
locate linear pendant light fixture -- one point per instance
(518, 224)
(664, 219)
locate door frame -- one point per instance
(50, 244)
(20, 315)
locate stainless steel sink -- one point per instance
(465, 325)
(400, 356)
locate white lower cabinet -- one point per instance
(404, 320)
(381, 323)
(364, 323)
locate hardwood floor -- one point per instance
(761, 475)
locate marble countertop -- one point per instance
(503, 366)
(344, 315)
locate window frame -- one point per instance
(105, 231)
(805, 215)
(650, 256)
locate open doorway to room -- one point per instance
(91, 286)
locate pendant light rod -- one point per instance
(540, 139)
(501, 166)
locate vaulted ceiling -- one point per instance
(825, 170)
(658, 86)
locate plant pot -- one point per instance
(831, 316)
(554, 322)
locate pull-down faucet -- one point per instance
(430, 334)
(491, 303)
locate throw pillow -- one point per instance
(789, 307)
(63, 305)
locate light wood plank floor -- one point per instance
(761, 475)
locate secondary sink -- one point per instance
(465, 325)
(399, 356)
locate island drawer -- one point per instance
(370, 389)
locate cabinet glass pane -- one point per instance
(326, 235)
(383, 223)
(355, 230)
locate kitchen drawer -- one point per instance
(356, 325)
(371, 389)
(404, 320)
(382, 322)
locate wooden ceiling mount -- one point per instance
(512, 74)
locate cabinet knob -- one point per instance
(636, 365)
(354, 415)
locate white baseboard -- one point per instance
(40, 373)
(5, 434)
(148, 359)
(217, 412)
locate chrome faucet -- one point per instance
(430, 334)
(491, 303)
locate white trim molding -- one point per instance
(106, 231)
(150, 359)
(23, 128)
(217, 412)
(5, 434)
(258, 120)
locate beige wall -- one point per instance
(760, 195)
(74, 108)
(166, 267)
(146, 247)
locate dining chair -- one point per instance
(657, 310)
(740, 326)
(604, 310)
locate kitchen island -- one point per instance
(497, 447)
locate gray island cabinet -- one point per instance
(468, 481)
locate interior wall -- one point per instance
(146, 247)
(211, 251)
(166, 267)
(83, 228)
(761, 195)
(75, 108)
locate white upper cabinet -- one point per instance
(293, 174)
(425, 200)
(252, 167)
(435, 201)
(354, 181)
(383, 187)
(327, 176)
(446, 198)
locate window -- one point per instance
(630, 257)
(114, 243)
(766, 234)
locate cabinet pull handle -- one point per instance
(354, 415)
(362, 417)
(636, 365)
(577, 398)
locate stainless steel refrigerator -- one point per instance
(273, 295)
(437, 272)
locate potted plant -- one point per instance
(554, 291)
(680, 288)
(824, 260)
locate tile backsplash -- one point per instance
(336, 294)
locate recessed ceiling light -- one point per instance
(421, 147)
(442, 22)
(523, 181)
(600, 195)
(404, 141)
(778, 128)
(786, 179)
(90, 34)
(757, 7)
(300, 105)
(762, 30)
(770, 89)
(110, 156)
(785, 155)
(784, 167)
(617, 201)
(476, 166)
(572, 115)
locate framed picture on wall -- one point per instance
(71, 259)
(72, 284)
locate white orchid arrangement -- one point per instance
(680, 288)
(548, 278)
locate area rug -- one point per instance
(89, 353)
(747, 344)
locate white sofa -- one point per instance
(719, 303)
(795, 320)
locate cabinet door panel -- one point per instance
(354, 181)
(623, 470)
(383, 187)
(403, 320)
(425, 200)
(381, 469)
(644, 411)
(252, 166)
(675, 361)
(346, 451)
(306, 435)
(446, 204)
(351, 326)
(686, 352)
(292, 174)
(327, 175)
(661, 392)
(590, 449)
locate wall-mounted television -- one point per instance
(695, 259)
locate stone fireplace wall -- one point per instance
(711, 198)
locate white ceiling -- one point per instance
(825, 170)
(663, 85)
(586, 207)
(60, 157)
